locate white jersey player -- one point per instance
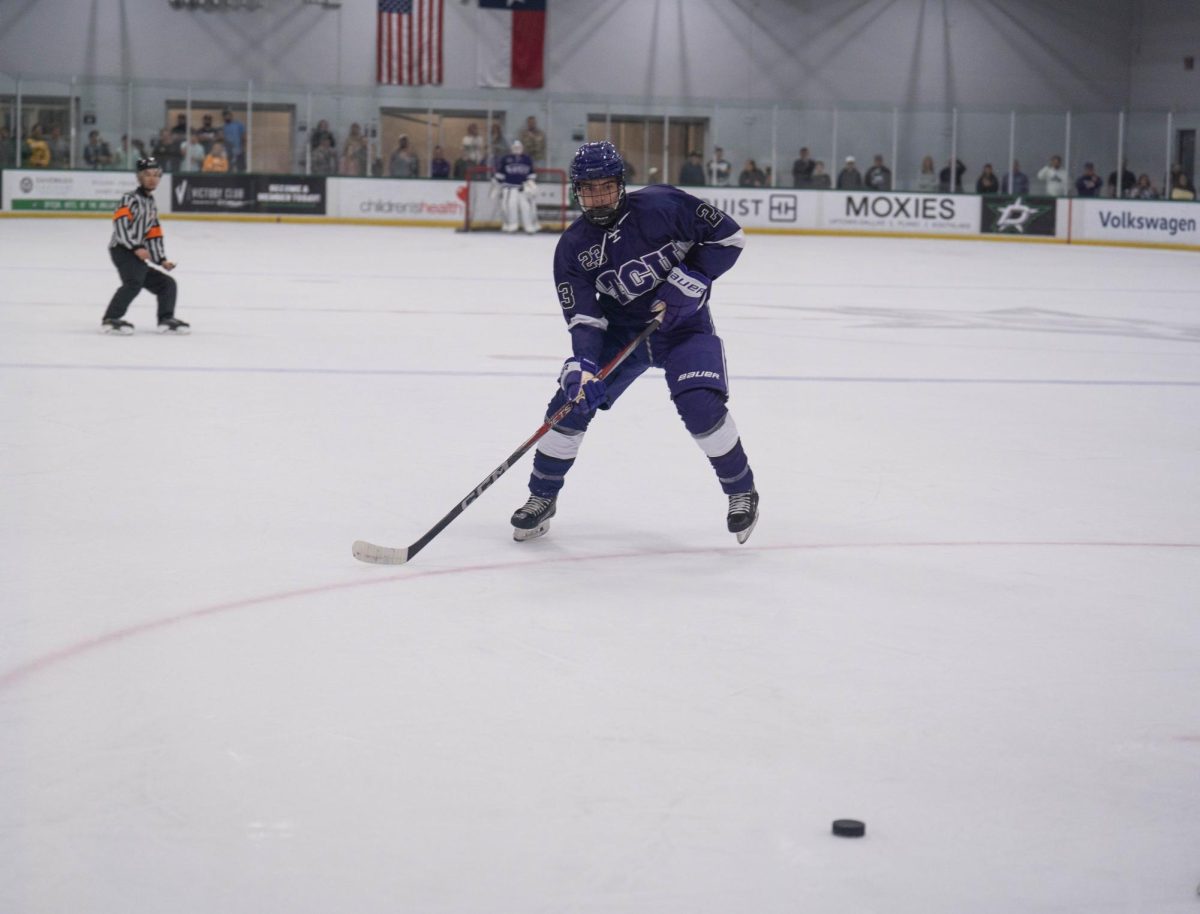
(516, 184)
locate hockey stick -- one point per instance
(386, 555)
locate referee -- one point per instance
(137, 242)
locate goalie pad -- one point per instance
(519, 209)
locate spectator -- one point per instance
(534, 141)
(692, 172)
(472, 145)
(1182, 188)
(768, 176)
(927, 181)
(207, 134)
(459, 169)
(849, 178)
(497, 145)
(752, 175)
(720, 171)
(1173, 180)
(802, 169)
(1089, 184)
(878, 176)
(1016, 181)
(1127, 179)
(403, 163)
(652, 175)
(128, 154)
(235, 140)
(120, 159)
(6, 148)
(96, 153)
(988, 183)
(180, 131)
(1054, 176)
(60, 149)
(191, 154)
(439, 165)
(325, 156)
(319, 135)
(354, 154)
(166, 150)
(944, 178)
(820, 180)
(1143, 189)
(36, 151)
(216, 161)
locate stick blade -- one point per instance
(378, 555)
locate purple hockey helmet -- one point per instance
(594, 161)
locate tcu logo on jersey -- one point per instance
(638, 276)
(593, 258)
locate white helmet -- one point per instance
(517, 147)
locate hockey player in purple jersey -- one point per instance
(516, 184)
(651, 254)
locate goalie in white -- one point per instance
(516, 185)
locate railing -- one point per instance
(655, 135)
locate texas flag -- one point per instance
(511, 39)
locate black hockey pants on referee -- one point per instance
(136, 275)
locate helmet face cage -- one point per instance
(592, 162)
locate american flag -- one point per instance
(409, 43)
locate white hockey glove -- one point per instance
(530, 185)
(680, 296)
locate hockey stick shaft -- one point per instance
(385, 555)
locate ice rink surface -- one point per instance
(970, 614)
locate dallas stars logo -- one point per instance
(1014, 216)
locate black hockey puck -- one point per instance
(849, 828)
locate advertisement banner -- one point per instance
(1008, 215)
(763, 207)
(1144, 221)
(937, 214)
(201, 193)
(435, 202)
(42, 190)
(268, 194)
(303, 195)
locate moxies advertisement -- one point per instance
(864, 211)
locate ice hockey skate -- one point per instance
(532, 519)
(743, 514)
(116, 326)
(174, 325)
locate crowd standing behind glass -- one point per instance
(221, 147)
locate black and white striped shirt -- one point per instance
(135, 225)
